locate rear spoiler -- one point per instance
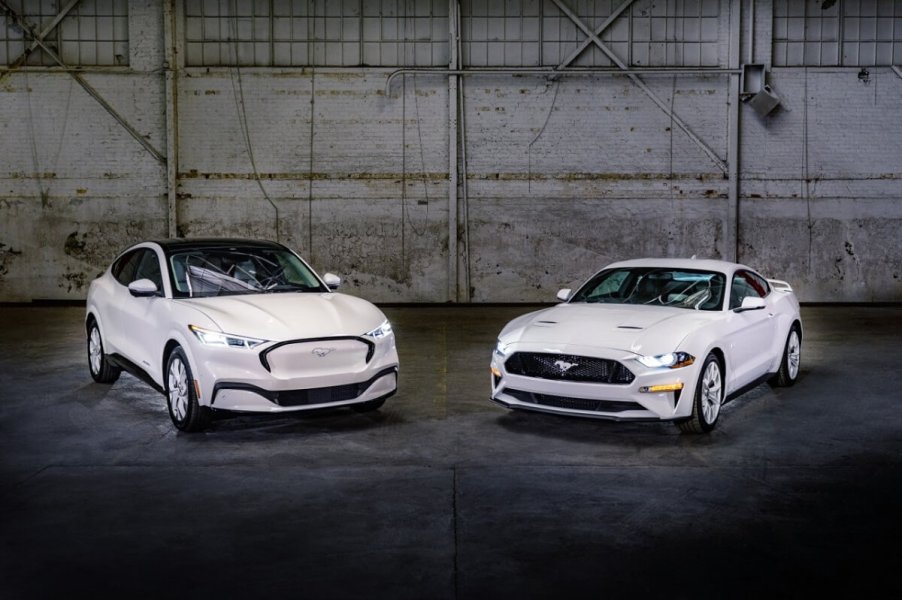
(779, 285)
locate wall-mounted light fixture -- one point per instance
(754, 91)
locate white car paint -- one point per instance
(139, 332)
(750, 346)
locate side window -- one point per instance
(746, 284)
(149, 268)
(124, 268)
(763, 287)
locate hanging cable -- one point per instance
(242, 112)
(557, 85)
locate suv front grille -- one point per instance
(567, 367)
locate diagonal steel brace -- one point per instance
(38, 40)
(40, 36)
(593, 38)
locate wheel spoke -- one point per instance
(178, 389)
(711, 392)
(95, 351)
(793, 354)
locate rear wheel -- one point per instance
(708, 399)
(184, 410)
(792, 360)
(101, 369)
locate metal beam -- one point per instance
(172, 121)
(598, 31)
(31, 33)
(453, 127)
(593, 38)
(732, 230)
(22, 58)
(551, 73)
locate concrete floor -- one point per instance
(442, 494)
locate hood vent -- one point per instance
(630, 327)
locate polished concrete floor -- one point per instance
(442, 494)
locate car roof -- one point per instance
(176, 244)
(701, 264)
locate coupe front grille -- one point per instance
(567, 367)
(606, 406)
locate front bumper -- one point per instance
(298, 375)
(620, 402)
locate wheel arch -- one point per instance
(170, 345)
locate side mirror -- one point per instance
(751, 303)
(332, 281)
(564, 294)
(143, 288)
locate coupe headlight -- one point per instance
(380, 332)
(500, 348)
(216, 338)
(671, 360)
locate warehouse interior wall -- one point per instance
(418, 179)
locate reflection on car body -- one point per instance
(237, 325)
(651, 339)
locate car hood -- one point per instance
(640, 329)
(285, 316)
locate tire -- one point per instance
(372, 405)
(708, 399)
(791, 361)
(181, 397)
(101, 369)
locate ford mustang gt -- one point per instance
(652, 340)
(236, 325)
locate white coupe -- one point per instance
(652, 340)
(236, 325)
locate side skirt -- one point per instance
(133, 369)
(748, 387)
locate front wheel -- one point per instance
(184, 410)
(791, 361)
(101, 369)
(708, 399)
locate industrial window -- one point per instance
(842, 32)
(91, 33)
(524, 33)
(343, 33)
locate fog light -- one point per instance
(667, 387)
(496, 372)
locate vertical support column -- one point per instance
(171, 69)
(732, 231)
(453, 125)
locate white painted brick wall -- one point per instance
(609, 177)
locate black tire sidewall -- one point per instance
(185, 424)
(786, 374)
(705, 426)
(91, 329)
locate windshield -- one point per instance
(224, 271)
(682, 288)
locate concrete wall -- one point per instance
(563, 176)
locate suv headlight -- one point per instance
(217, 338)
(671, 360)
(380, 332)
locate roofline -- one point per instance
(172, 244)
